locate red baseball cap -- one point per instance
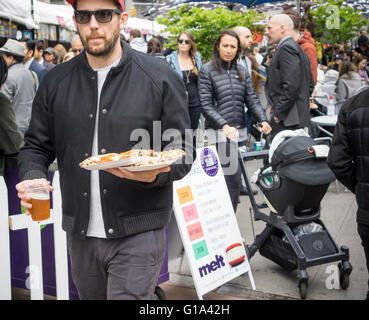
(121, 2)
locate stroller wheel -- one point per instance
(159, 294)
(345, 269)
(303, 286)
(345, 281)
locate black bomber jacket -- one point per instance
(349, 153)
(140, 90)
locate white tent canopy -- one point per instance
(53, 14)
(145, 26)
(18, 11)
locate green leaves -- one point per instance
(336, 23)
(205, 25)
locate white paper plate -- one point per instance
(115, 164)
(149, 167)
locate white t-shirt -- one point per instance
(96, 226)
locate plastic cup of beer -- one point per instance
(40, 201)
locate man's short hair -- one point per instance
(18, 59)
(39, 45)
(31, 44)
(295, 17)
(135, 33)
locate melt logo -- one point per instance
(212, 266)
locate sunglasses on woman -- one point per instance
(101, 16)
(184, 41)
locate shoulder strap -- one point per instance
(34, 80)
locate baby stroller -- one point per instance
(293, 185)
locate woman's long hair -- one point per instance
(3, 71)
(193, 49)
(346, 67)
(154, 46)
(217, 61)
(255, 75)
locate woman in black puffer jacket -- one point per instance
(225, 90)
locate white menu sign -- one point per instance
(208, 225)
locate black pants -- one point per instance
(194, 116)
(278, 127)
(363, 230)
(228, 155)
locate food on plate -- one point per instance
(132, 158)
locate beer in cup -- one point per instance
(40, 201)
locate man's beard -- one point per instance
(108, 45)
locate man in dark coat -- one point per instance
(289, 82)
(349, 159)
(30, 62)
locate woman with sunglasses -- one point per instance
(11, 138)
(225, 89)
(186, 61)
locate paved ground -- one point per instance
(272, 282)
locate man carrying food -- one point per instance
(115, 218)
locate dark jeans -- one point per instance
(117, 269)
(363, 231)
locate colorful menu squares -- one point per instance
(190, 212)
(195, 231)
(184, 194)
(200, 249)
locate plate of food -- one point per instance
(133, 160)
(160, 160)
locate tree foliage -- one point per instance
(205, 25)
(335, 23)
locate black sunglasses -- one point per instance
(185, 41)
(102, 16)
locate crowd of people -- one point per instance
(108, 86)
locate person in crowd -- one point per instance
(346, 56)
(68, 56)
(155, 48)
(306, 42)
(11, 139)
(19, 86)
(349, 159)
(289, 82)
(348, 82)
(39, 52)
(363, 49)
(268, 57)
(186, 61)
(363, 38)
(49, 57)
(136, 41)
(338, 59)
(258, 78)
(246, 43)
(30, 62)
(360, 64)
(76, 45)
(256, 52)
(114, 219)
(59, 52)
(225, 89)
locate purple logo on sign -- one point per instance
(209, 162)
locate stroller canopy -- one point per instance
(296, 159)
